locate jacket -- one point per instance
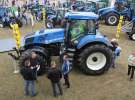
(117, 51)
(131, 60)
(28, 74)
(54, 75)
(65, 67)
(35, 61)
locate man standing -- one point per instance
(131, 65)
(29, 75)
(65, 70)
(54, 75)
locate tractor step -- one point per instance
(70, 50)
(71, 53)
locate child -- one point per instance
(54, 74)
(131, 65)
(29, 76)
(66, 70)
(116, 49)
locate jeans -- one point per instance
(57, 90)
(66, 78)
(30, 87)
(131, 71)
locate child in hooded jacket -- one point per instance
(131, 65)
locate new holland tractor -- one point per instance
(111, 15)
(80, 39)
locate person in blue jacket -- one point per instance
(117, 50)
(65, 70)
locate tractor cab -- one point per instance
(79, 24)
(120, 5)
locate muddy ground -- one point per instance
(113, 85)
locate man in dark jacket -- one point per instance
(29, 75)
(35, 61)
(54, 74)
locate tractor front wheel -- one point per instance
(95, 59)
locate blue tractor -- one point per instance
(111, 15)
(80, 39)
(131, 34)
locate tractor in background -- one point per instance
(88, 49)
(129, 28)
(7, 18)
(111, 15)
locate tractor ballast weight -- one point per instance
(80, 39)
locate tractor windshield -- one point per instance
(78, 28)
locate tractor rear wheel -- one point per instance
(132, 34)
(95, 60)
(112, 19)
(41, 58)
(49, 24)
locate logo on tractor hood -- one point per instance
(46, 36)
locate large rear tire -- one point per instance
(132, 34)
(112, 19)
(95, 60)
(49, 24)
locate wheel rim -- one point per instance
(112, 20)
(49, 25)
(133, 36)
(1, 25)
(96, 61)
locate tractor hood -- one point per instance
(45, 36)
(102, 10)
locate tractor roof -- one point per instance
(81, 15)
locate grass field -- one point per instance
(113, 85)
